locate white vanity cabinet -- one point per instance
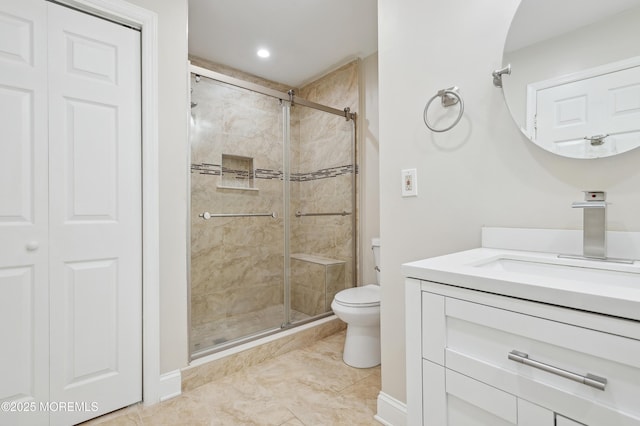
(481, 359)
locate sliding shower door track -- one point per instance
(256, 336)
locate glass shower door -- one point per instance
(237, 220)
(272, 211)
(322, 212)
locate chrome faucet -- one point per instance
(594, 228)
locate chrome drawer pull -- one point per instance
(589, 380)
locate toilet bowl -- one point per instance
(359, 307)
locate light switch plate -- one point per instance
(409, 183)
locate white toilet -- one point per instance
(359, 307)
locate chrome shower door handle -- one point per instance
(589, 379)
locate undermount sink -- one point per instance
(524, 263)
(585, 271)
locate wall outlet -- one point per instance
(409, 183)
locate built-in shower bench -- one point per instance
(314, 282)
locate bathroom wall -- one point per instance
(481, 173)
(172, 157)
(368, 166)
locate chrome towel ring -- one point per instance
(448, 97)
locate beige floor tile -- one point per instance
(365, 391)
(182, 410)
(128, 416)
(293, 422)
(309, 386)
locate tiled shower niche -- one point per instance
(237, 172)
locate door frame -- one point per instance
(147, 22)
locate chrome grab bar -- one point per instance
(207, 215)
(343, 213)
(589, 379)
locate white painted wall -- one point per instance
(173, 149)
(483, 172)
(369, 170)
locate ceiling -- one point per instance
(306, 38)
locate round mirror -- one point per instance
(574, 87)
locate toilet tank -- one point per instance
(375, 246)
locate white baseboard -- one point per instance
(391, 412)
(170, 385)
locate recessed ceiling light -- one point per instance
(264, 53)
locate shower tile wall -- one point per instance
(237, 263)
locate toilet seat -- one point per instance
(359, 297)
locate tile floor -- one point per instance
(309, 386)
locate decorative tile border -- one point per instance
(268, 174)
(206, 169)
(322, 173)
(331, 172)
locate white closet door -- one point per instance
(24, 297)
(95, 213)
(600, 105)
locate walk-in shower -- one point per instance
(273, 211)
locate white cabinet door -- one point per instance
(473, 403)
(453, 399)
(563, 421)
(95, 213)
(24, 298)
(534, 415)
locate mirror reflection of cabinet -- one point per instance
(557, 57)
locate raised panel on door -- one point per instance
(565, 115)
(91, 295)
(95, 213)
(607, 104)
(622, 119)
(24, 302)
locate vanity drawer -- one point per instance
(477, 340)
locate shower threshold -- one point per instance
(209, 338)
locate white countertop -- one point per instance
(620, 298)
